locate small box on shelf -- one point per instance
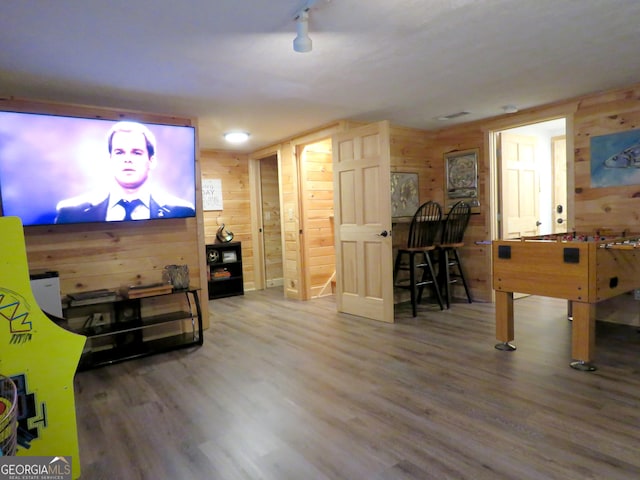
(221, 273)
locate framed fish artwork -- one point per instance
(615, 159)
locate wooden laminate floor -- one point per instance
(292, 390)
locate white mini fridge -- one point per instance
(46, 288)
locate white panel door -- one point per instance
(520, 186)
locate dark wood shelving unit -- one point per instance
(224, 269)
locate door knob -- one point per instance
(384, 233)
(538, 223)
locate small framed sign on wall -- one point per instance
(211, 194)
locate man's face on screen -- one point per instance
(130, 159)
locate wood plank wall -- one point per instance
(475, 258)
(291, 226)
(317, 182)
(591, 208)
(296, 283)
(90, 256)
(113, 256)
(617, 208)
(412, 150)
(233, 170)
(421, 151)
(410, 154)
(289, 214)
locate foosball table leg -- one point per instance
(504, 321)
(583, 366)
(583, 336)
(505, 346)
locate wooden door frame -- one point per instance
(298, 147)
(305, 275)
(555, 201)
(490, 146)
(494, 167)
(286, 152)
(294, 283)
(255, 201)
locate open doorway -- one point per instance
(315, 192)
(315, 164)
(265, 196)
(529, 165)
(271, 222)
(529, 175)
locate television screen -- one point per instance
(56, 169)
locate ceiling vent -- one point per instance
(451, 116)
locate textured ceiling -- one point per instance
(231, 64)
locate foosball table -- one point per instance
(581, 268)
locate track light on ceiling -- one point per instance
(302, 43)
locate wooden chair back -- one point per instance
(425, 225)
(455, 224)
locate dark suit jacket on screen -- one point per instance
(97, 212)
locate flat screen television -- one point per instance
(60, 169)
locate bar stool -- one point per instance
(450, 267)
(423, 232)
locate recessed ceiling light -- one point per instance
(510, 109)
(236, 137)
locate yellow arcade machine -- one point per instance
(39, 356)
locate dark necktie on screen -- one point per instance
(129, 207)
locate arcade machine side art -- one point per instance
(39, 356)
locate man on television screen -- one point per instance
(132, 152)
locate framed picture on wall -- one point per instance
(211, 194)
(461, 176)
(405, 196)
(615, 159)
(230, 256)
